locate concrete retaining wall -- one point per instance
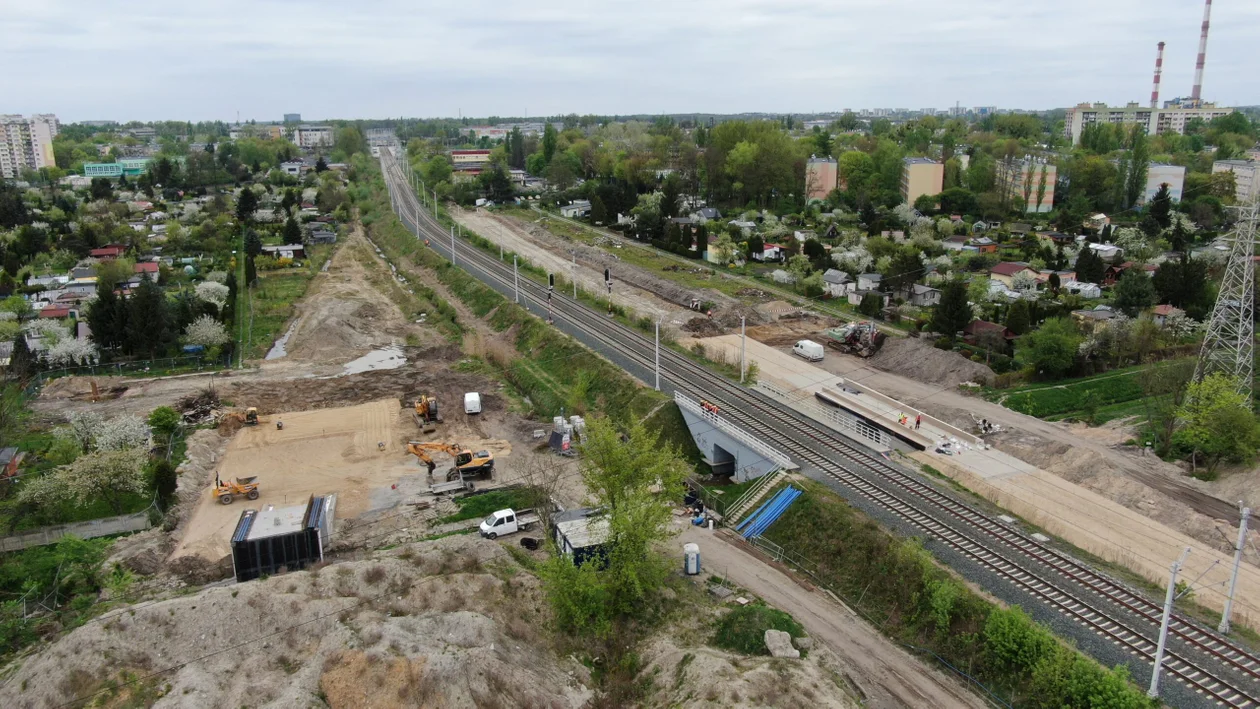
(134, 522)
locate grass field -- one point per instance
(272, 300)
(1098, 399)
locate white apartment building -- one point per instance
(313, 136)
(1155, 120)
(26, 143)
(1164, 174)
(1246, 177)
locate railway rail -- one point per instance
(1205, 662)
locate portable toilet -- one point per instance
(691, 559)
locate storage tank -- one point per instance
(691, 559)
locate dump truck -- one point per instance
(857, 338)
(468, 464)
(509, 521)
(426, 414)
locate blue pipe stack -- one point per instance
(765, 515)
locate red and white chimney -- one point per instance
(1198, 65)
(1159, 69)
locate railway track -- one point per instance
(1205, 662)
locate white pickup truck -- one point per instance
(508, 521)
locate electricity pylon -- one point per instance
(1229, 346)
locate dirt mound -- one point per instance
(424, 625)
(703, 326)
(918, 359)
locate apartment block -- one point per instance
(1156, 121)
(1029, 181)
(820, 177)
(26, 143)
(1246, 177)
(313, 136)
(920, 176)
(1164, 174)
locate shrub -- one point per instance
(744, 629)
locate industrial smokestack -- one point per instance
(1159, 69)
(1198, 65)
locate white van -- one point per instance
(472, 403)
(808, 349)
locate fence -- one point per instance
(133, 522)
(154, 367)
(854, 428)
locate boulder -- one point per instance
(803, 643)
(779, 644)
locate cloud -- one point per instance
(143, 59)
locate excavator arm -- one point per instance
(421, 449)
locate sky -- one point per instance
(162, 60)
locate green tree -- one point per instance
(246, 205)
(958, 200)
(148, 320)
(629, 474)
(1134, 292)
(321, 165)
(1161, 207)
(106, 317)
(755, 245)
(1216, 423)
(101, 189)
(21, 362)
(872, 304)
(516, 149)
(1051, 349)
(1139, 162)
(856, 169)
(599, 213)
(549, 142)
(904, 270)
(292, 232)
(1089, 266)
(953, 312)
(350, 141)
(1018, 318)
(1183, 284)
(111, 476)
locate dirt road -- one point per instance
(555, 258)
(888, 675)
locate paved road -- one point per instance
(887, 674)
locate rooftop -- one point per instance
(919, 161)
(276, 520)
(585, 532)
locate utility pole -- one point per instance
(574, 276)
(658, 355)
(743, 341)
(516, 281)
(1153, 692)
(1233, 578)
(452, 245)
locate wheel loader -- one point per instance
(225, 492)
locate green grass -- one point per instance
(1109, 396)
(479, 506)
(744, 629)
(274, 299)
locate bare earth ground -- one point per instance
(641, 292)
(885, 675)
(1089, 517)
(428, 624)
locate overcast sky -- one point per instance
(146, 60)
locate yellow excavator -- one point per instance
(467, 463)
(426, 414)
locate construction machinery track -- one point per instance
(1206, 662)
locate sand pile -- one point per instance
(917, 359)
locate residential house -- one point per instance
(322, 236)
(1093, 320)
(56, 312)
(108, 253)
(579, 208)
(1107, 252)
(292, 167)
(857, 295)
(924, 296)
(985, 245)
(744, 226)
(1057, 238)
(869, 281)
(957, 242)
(291, 251)
(1096, 221)
(1114, 271)
(973, 332)
(1161, 313)
(1006, 271)
(770, 252)
(147, 269)
(836, 283)
(706, 214)
(1021, 228)
(682, 221)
